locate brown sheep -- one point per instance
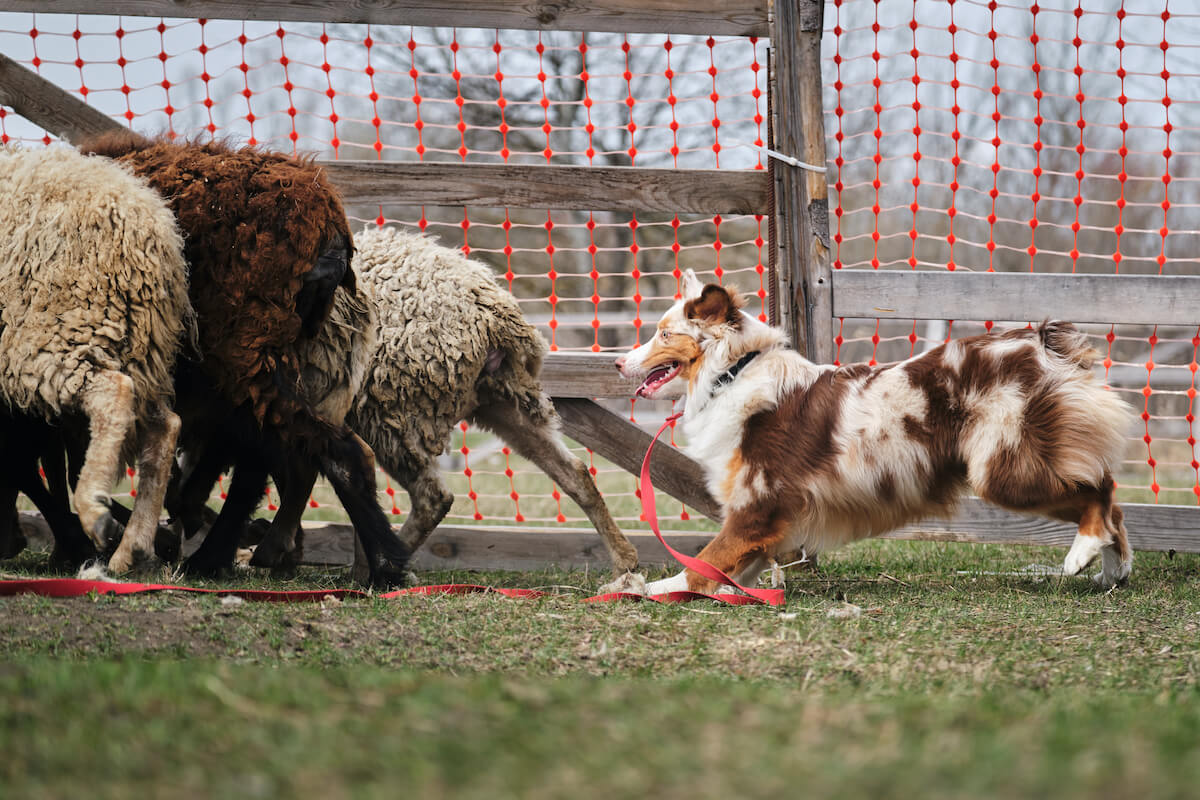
(267, 243)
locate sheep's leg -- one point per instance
(12, 540)
(349, 464)
(278, 548)
(542, 445)
(161, 429)
(430, 499)
(72, 547)
(216, 553)
(187, 496)
(108, 404)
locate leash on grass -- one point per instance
(77, 587)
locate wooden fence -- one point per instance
(809, 295)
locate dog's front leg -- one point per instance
(749, 538)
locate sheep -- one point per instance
(452, 345)
(93, 309)
(333, 367)
(268, 243)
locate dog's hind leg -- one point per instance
(1089, 541)
(543, 445)
(1101, 534)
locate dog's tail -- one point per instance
(1066, 341)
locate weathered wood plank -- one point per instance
(584, 375)
(623, 443)
(1151, 527)
(1017, 296)
(533, 550)
(502, 548)
(42, 103)
(737, 18)
(552, 186)
(801, 195)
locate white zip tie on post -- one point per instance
(775, 154)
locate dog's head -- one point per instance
(667, 362)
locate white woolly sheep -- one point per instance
(93, 309)
(452, 345)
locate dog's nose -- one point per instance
(620, 364)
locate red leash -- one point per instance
(73, 587)
(76, 587)
(750, 596)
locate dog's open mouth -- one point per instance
(658, 377)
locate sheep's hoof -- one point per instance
(107, 532)
(625, 562)
(254, 534)
(168, 544)
(137, 561)
(146, 562)
(71, 556)
(268, 554)
(282, 563)
(200, 567)
(387, 575)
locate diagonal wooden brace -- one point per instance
(42, 103)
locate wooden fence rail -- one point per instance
(1151, 529)
(1017, 297)
(698, 191)
(717, 17)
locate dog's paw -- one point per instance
(1083, 551)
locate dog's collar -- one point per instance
(731, 373)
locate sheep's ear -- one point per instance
(715, 305)
(692, 287)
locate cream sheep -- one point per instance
(93, 309)
(452, 345)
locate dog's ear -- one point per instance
(692, 287)
(715, 305)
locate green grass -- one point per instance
(950, 683)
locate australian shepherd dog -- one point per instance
(812, 456)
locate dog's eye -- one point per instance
(666, 335)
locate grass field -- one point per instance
(951, 681)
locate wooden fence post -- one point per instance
(801, 196)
